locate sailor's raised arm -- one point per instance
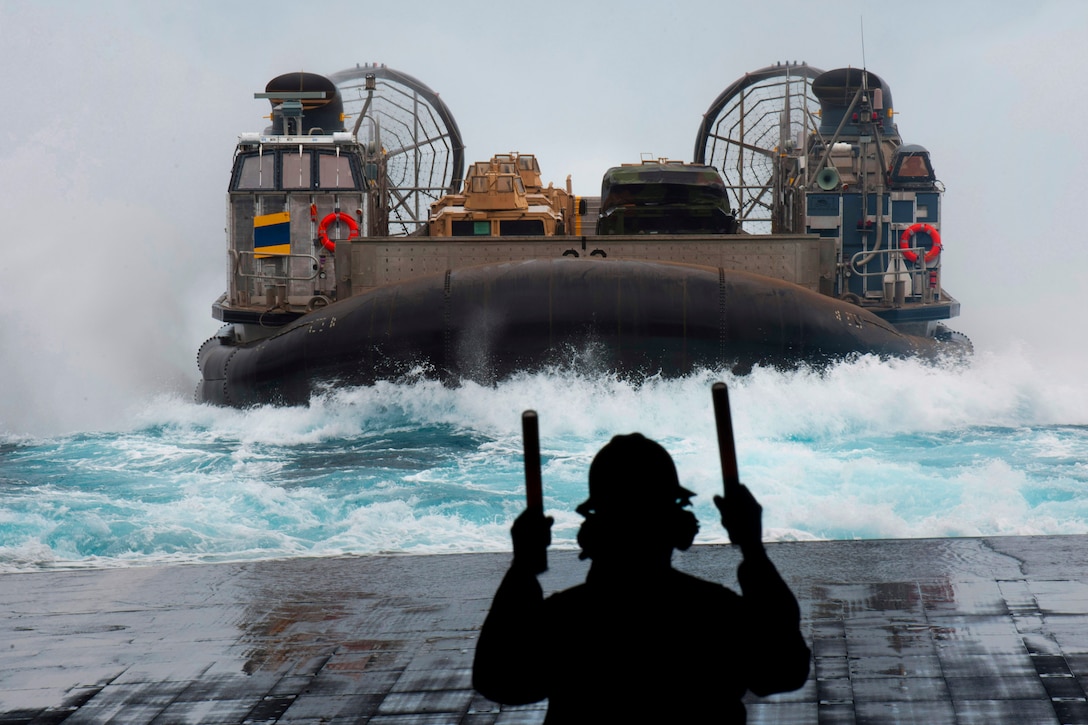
(508, 665)
(778, 658)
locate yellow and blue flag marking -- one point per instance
(272, 234)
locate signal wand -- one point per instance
(530, 432)
(726, 447)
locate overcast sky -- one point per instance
(120, 120)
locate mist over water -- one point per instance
(865, 449)
(112, 219)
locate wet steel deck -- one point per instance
(990, 630)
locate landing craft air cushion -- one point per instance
(336, 278)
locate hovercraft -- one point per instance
(367, 254)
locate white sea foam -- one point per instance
(863, 449)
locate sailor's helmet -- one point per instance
(633, 475)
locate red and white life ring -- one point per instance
(322, 229)
(905, 237)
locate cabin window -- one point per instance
(912, 170)
(479, 184)
(257, 172)
(296, 170)
(504, 183)
(521, 228)
(334, 172)
(470, 228)
(913, 166)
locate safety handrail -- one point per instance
(919, 265)
(926, 277)
(237, 256)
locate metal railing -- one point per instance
(925, 280)
(238, 256)
(272, 281)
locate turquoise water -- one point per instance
(865, 449)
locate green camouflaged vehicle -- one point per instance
(664, 197)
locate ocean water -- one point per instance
(863, 449)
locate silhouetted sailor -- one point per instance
(640, 641)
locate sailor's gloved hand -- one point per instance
(742, 517)
(532, 534)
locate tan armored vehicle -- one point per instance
(503, 197)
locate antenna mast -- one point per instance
(864, 66)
